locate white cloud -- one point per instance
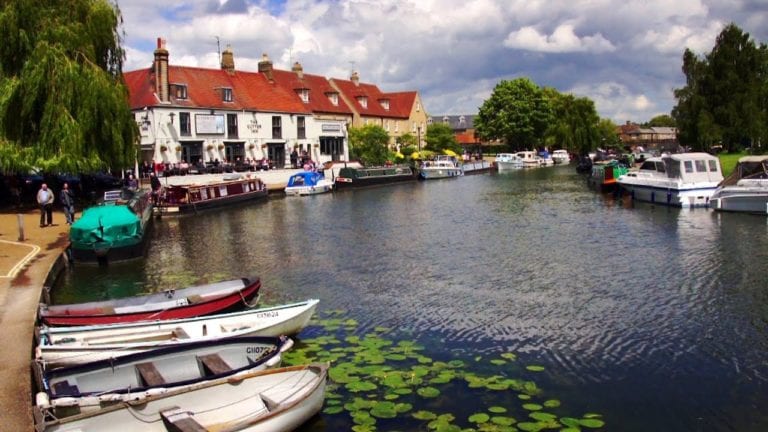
(617, 102)
(562, 40)
(674, 39)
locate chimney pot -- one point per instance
(228, 60)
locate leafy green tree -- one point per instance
(608, 135)
(725, 96)
(63, 103)
(517, 112)
(369, 144)
(662, 120)
(406, 140)
(574, 123)
(440, 137)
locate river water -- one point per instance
(656, 318)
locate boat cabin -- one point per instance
(693, 167)
(305, 178)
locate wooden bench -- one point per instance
(149, 374)
(177, 420)
(214, 364)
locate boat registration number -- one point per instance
(257, 349)
(266, 315)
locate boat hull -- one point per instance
(475, 167)
(320, 188)
(273, 400)
(107, 255)
(686, 198)
(171, 209)
(740, 201)
(439, 173)
(174, 304)
(76, 345)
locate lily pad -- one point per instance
(529, 427)
(592, 423)
(570, 421)
(532, 407)
(502, 421)
(535, 368)
(552, 403)
(524, 396)
(498, 362)
(333, 409)
(479, 418)
(509, 356)
(497, 409)
(542, 416)
(385, 410)
(424, 415)
(360, 386)
(428, 392)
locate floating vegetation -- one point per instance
(378, 383)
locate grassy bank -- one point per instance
(728, 161)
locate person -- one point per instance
(294, 158)
(45, 200)
(132, 183)
(154, 183)
(67, 203)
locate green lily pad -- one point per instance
(524, 396)
(391, 396)
(360, 386)
(542, 416)
(479, 418)
(535, 368)
(428, 392)
(497, 409)
(385, 409)
(424, 415)
(509, 356)
(570, 421)
(402, 391)
(592, 415)
(363, 428)
(498, 362)
(592, 423)
(403, 407)
(502, 421)
(529, 427)
(552, 403)
(333, 409)
(532, 407)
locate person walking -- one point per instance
(67, 199)
(45, 200)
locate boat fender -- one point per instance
(273, 362)
(287, 345)
(42, 401)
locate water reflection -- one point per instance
(654, 316)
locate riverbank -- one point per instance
(25, 266)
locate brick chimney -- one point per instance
(160, 68)
(298, 70)
(228, 60)
(265, 67)
(355, 78)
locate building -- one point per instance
(199, 115)
(463, 128)
(649, 138)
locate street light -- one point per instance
(418, 136)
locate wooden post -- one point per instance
(20, 219)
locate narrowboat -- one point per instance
(369, 176)
(195, 197)
(604, 175)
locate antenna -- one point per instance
(290, 57)
(351, 66)
(218, 47)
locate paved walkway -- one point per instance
(24, 267)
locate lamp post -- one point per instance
(418, 137)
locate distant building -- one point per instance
(463, 128)
(633, 135)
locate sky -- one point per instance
(625, 55)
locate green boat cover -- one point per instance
(106, 226)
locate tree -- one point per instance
(369, 144)
(440, 137)
(573, 124)
(661, 120)
(724, 99)
(608, 135)
(406, 140)
(63, 103)
(517, 112)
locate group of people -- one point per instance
(300, 160)
(45, 199)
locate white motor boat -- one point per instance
(561, 157)
(308, 183)
(530, 159)
(506, 161)
(680, 180)
(442, 167)
(746, 190)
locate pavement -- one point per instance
(24, 268)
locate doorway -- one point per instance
(276, 153)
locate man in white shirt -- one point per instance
(45, 200)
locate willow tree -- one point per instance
(63, 103)
(574, 123)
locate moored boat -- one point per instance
(442, 166)
(475, 167)
(272, 400)
(545, 159)
(746, 189)
(94, 385)
(308, 183)
(605, 174)
(58, 346)
(505, 161)
(369, 176)
(561, 157)
(194, 197)
(529, 159)
(680, 180)
(114, 231)
(170, 304)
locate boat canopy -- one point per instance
(106, 226)
(306, 178)
(693, 167)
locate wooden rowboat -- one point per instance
(272, 400)
(97, 384)
(59, 346)
(171, 304)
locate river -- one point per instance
(654, 317)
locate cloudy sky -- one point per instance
(623, 54)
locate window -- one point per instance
(461, 120)
(385, 104)
(363, 101)
(386, 125)
(688, 166)
(232, 125)
(418, 106)
(277, 129)
(701, 166)
(713, 166)
(397, 126)
(413, 127)
(181, 91)
(334, 98)
(445, 120)
(185, 124)
(226, 94)
(304, 95)
(301, 129)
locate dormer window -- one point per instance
(363, 101)
(226, 94)
(334, 98)
(445, 120)
(303, 94)
(385, 103)
(461, 120)
(180, 91)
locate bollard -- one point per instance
(20, 218)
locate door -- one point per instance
(276, 153)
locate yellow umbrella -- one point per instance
(415, 155)
(450, 152)
(399, 155)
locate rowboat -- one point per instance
(130, 378)
(59, 346)
(272, 400)
(170, 304)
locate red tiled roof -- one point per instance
(374, 95)
(466, 138)
(318, 87)
(250, 90)
(402, 102)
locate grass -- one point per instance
(728, 161)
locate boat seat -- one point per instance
(177, 420)
(179, 333)
(63, 388)
(197, 298)
(214, 364)
(107, 310)
(149, 374)
(269, 402)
